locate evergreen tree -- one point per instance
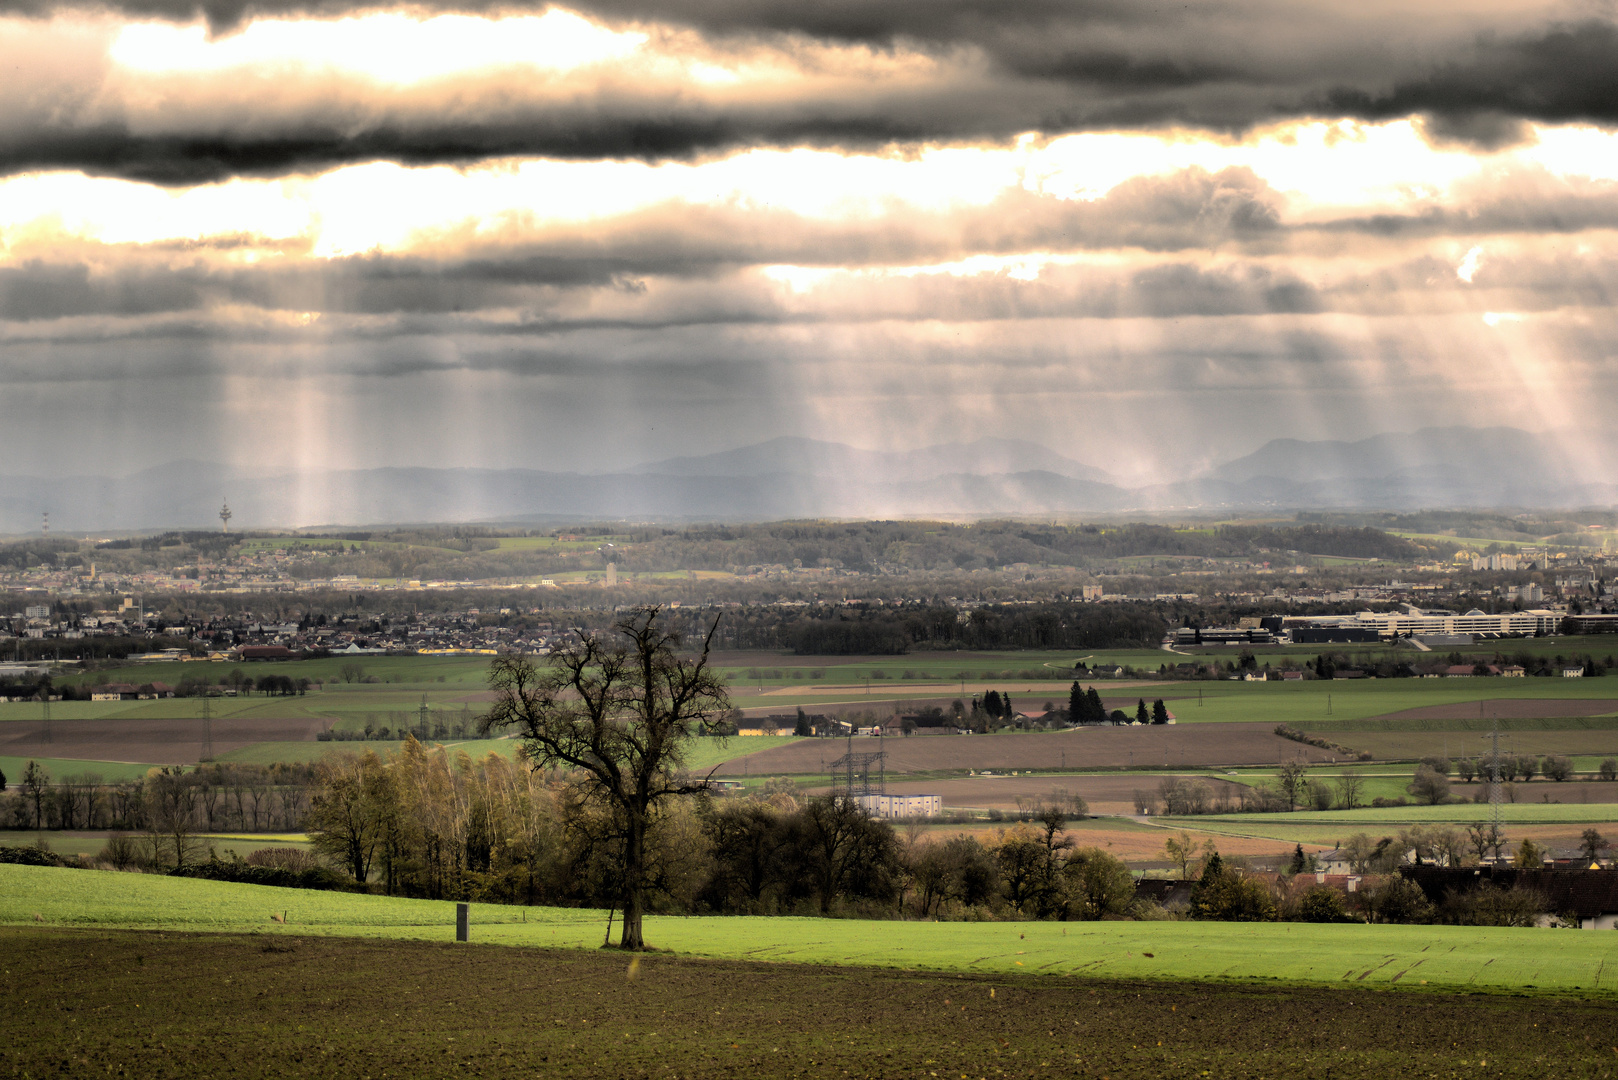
(1005, 706)
(802, 727)
(991, 703)
(1160, 714)
(1098, 711)
(1141, 715)
(1078, 709)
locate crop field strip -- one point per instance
(1392, 719)
(175, 1005)
(1457, 957)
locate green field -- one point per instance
(1354, 713)
(90, 844)
(1473, 957)
(62, 768)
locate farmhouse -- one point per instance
(264, 652)
(1167, 892)
(113, 692)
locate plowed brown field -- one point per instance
(160, 742)
(166, 1005)
(1104, 794)
(1507, 709)
(1169, 746)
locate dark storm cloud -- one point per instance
(314, 145)
(1565, 74)
(999, 70)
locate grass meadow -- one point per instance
(1438, 956)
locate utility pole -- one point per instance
(423, 715)
(1494, 775)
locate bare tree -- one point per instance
(1481, 838)
(1350, 790)
(1289, 778)
(34, 782)
(620, 715)
(171, 801)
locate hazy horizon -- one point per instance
(300, 236)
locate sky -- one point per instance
(298, 235)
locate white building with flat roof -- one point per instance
(901, 806)
(1414, 621)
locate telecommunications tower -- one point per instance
(224, 517)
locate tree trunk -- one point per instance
(634, 878)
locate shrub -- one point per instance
(1558, 767)
(294, 859)
(319, 877)
(1488, 905)
(1321, 904)
(33, 856)
(1226, 896)
(1097, 884)
(1429, 785)
(1397, 900)
(1609, 769)
(120, 853)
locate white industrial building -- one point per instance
(901, 806)
(1415, 621)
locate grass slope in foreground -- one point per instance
(1461, 957)
(82, 1003)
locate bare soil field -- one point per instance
(1113, 794)
(1169, 746)
(1544, 791)
(1140, 845)
(175, 1005)
(1414, 745)
(160, 742)
(1506, 708)
(1264, 839)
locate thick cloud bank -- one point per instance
(711, 78)
(298, 238)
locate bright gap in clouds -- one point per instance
(1323, 169)
(387, 47)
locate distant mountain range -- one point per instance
(794, 477)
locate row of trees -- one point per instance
(213, 797)
(428, 822)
